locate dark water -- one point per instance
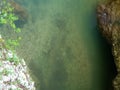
(63, 48)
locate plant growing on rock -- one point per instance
(13, 70)
(7, 17)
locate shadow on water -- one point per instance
(108, 68)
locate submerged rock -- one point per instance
(14, 73)
(20, 12)
(108, 15)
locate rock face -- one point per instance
(108, 16)
(14, 73)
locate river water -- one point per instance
(63, 47)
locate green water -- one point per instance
(62, 46)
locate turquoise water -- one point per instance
(62, 46)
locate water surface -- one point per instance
(62, 46)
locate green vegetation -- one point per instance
(7, 17)
(13, 73)
(6, 72)
(14, 59)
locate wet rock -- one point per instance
(108, 16)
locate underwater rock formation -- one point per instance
(108, 16)
(14, 73)
(20, 12)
